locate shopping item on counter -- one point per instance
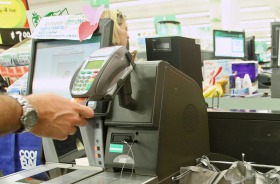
(213, 70)
(19, 86)
(18, 55)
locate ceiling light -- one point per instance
(135, 3)
(199, 26)
(254, 9)
(140, 20)
(192, 15)
(257, 30)
(180, 16)
(257, 21)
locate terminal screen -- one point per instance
(229, 44)
(95, 64)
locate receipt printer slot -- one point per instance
(119, 138)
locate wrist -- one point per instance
(17, 115)
(28, 115)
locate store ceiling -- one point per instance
(255, 15)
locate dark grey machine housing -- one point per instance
(181, 52)
(275, 83)
(168, 129)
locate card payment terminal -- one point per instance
(100, 75)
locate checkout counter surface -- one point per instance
(59, 174)
(54, 173)
(125, 178)
(259, 102)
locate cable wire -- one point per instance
(130, 149)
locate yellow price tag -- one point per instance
(12, 13)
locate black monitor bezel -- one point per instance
(229, 32)
(250, 48)
(105, 29)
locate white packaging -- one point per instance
(238, 84)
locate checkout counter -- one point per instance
(252, 132)
(150, 120)
(247, 125)
(242, 125)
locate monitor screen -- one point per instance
(229, 44)
(54, 62)
(57, 62)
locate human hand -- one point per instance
(58, 117)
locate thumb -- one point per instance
(86, 112)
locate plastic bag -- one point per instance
(243, 173)
(240, 172)
(203, 173)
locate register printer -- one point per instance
(150, 119)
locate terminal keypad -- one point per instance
(84, 81)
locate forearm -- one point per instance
(10, 113)
(57, 117)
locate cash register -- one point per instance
(150, 118)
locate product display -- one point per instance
(18, 55)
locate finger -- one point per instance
(73, 131)
(59, 136)
(82, 122)
(62, 138)
(56, 134)
(86, 112)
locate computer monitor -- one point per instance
(275, 31)
(229, 44)
(53, 63)
(250, 48)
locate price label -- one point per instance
(12, 36)
(20, 35)
(12, 13)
